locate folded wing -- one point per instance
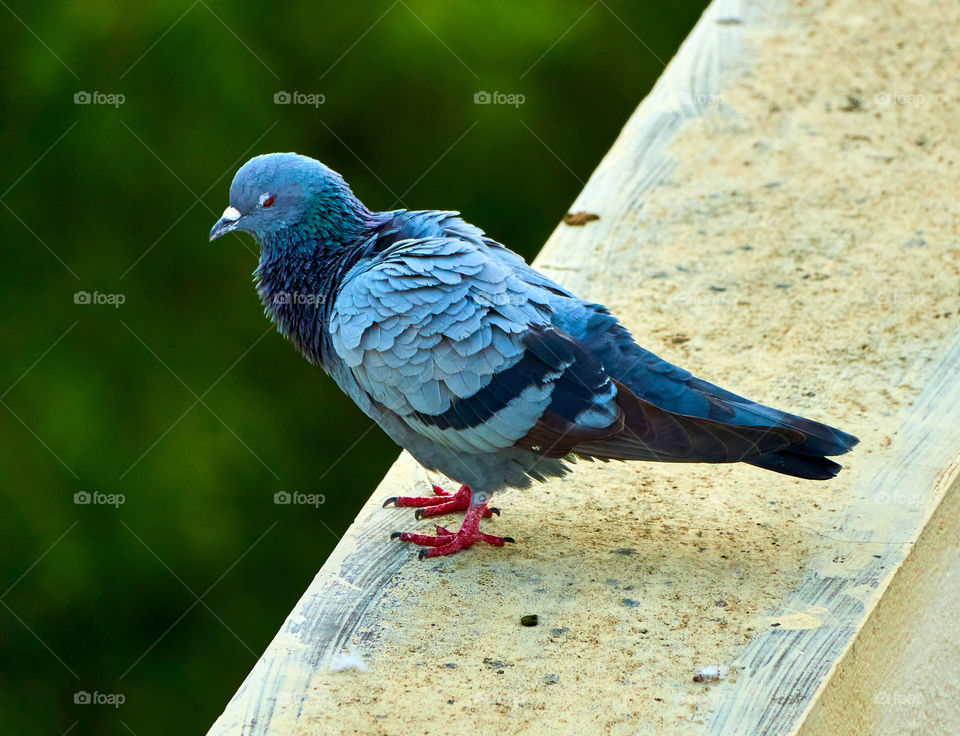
(461, 347)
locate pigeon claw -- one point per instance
(391, 500)
(446, 542)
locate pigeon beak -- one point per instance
(231, 216)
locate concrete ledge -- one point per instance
(898, 675)
(779, 217)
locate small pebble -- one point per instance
(529, 620)
(580, 218)
(710, 674)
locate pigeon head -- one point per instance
(286, 198)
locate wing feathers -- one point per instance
(458, 343)
(651, 433)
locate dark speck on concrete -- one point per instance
(630, 603)
(624, 551)
(782, 286)
(717, 288)
(720, 604)
(580, 218)
(853, 104)
(551, 679)
(558, 632)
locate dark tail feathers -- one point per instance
(806, 460)
(811, 467)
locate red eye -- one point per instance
(266, 200)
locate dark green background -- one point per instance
(119, 200)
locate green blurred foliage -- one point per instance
(181, 399)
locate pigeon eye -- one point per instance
(266, 200)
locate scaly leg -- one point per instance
(443, 502)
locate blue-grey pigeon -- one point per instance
(481, 367)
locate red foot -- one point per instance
(446, 542)
(443, 502)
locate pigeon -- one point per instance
(481, 367)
